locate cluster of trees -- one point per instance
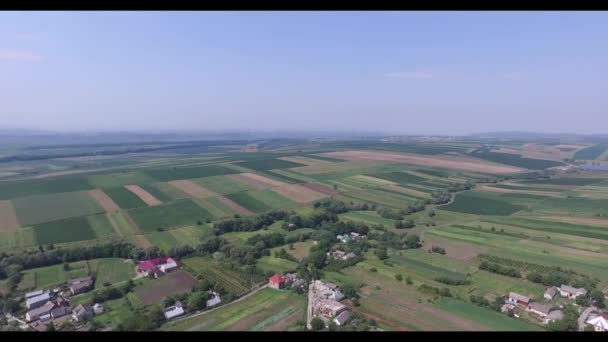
(568, 323)
(499, 269)
(444, 291)
(437, 249)
(250, 224)
(111, 293)
(408, 223)
(143, 320)
(452, 281)
(282, 254)
(595, 297)
(396, 241)
(441, 197)
(390, 214)
(266, 240)
(481, 301)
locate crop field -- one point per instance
(210, 270)
(9, 190)
(215, 207)
(527, 188)
(8, 218)
(23, 237)
(470, 203)
(152, 291)
(590, 153)
(268, 164)
(222, 184)
(113, 180)
(124, 198)
(154, 190)
(167, 216)
(101, 225)
(166, 175)
(516, 160)
(45, 208)
(266, 310)
(574, 206)
(177, 237)
(368, 216)
(261, 200)
(398, 177)
(566, 181)
(68, 230)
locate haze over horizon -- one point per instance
(444, 73)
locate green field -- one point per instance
(189, 172)
(24, 188)
(261, 200)
(179, 236)
(516, 160)
(115, 312)
(472, 203)
(45, 208)
(222, 185)
(493, 320)
(276, 265)
(68, 230)
(101, 225)
(212, 271)
(267, 309)
(368, 216)
(167, 216)
(575, 206)
(398, 177)
(124, 198)
(268, 164)
(155, 191)
(591, 152)
(526, 188)
(23, 237)
(566, 181)
(112, 180)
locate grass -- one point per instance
(189, 172)
(30, 187)
(526, 188)
(118, 179)
(23, 237)
(575, 206)
(211, 270)
(112, 270)
(276, 265)
(124, 198)
(494, 320)
(268, 164)
(516, 160)
(45, 208)
(115, 312)
(398, 177)
(121, 224)
(433, 172)
(554, 227)
(265, 310)
(472, 203)
(566, 181)
(101, 225)
(368, 216)
(175, 214)
(222, 185)
(591, 153)
(68, 230)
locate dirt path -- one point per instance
(143, 195)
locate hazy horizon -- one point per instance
(411, 73)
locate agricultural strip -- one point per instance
(143, 195)
(190, 172)
(192, 189)
(212, 271)
(8, 217)
(72, 229)
(175, 214)
(471, 203)
(43, 186)
(590, 153)
(268, 164)
(45, 208)
(124, 198)
(104, 200)
(298, 193)
(223, 184)
(257, 181)
(154, 290)
(234, 206)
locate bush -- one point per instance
(398, 277)
(373, 269)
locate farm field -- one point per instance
(9, 190)
(210, 270)
(45, 208)
(167, 216)
(268, 164)
(276, 265)
(175, 173)
(261, 200)
(590, 153)
(124, 198)
(266, 310)
(152, 291)
(68, 230)
(472, 203)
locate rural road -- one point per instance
(309, 307)
(583, 317)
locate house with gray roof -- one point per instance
(540, 309)
(341, 318)
(82, 312)
(37, 301)
(571, 292)
(550, 293)
(40, 311)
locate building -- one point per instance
(80, 285)
(40, 311)
(349, 256)
(215, 300)
(518, 299)
(550, 293)
(156, 267)
(571, 292)
(342, 318)
(174, 311)
(33, 294)
(98, 308)
(60, 312)
(37, 301)
(540, 309)
(328, 308)
(277, 282)
(82, 312)
(554, 315)
(599, 322)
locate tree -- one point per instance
(317, 324)
(196, 301)
(598, 298)
(156, 317)
(381, 253)
(583, 301)
(50, 327)
(66, 267)
(408, 280)
(398, 277)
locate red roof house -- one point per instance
(277, 282)
(157, 266)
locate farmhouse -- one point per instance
(328, 307)
(40, 311)
(540, 309)
(599, 322)
(156, 267)
(98, 308)
(82, 312)
(174, 311)
(554, 315)
(341, 255)
(550, 293)
(277, 282)
(518, 299)
(214, 301)
(37, 301)
(60, 312)
(80, 285)
(571, 292)
(342, 318)
(33, 294)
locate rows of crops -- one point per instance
(231, 281)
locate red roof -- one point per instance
(276, 279)
(146, 265)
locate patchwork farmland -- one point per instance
(233, 218)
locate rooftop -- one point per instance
(519, 297)
(36, 299)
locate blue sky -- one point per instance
(404, 72)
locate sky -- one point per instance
(400, 72)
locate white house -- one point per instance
(33, 294)
(214, 301)
(599, 323)
(571, 292)
(341, 318)
(169, 266)
(174, 311)
(37, 301)
(98, 308)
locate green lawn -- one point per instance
(276, 265)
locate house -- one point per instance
(37, 301)
(328, 308)
(342, 318)
(277, 282)
(40, 311)
(33, 294)
(540, 309)
(599, 322)
(60, 312)
(571, 292)
(156, 267)
(98, 308)
(82, 312)
(214, 301)
(349, 256)
(298, 283)
(550, 293)
(518, 299)
(174, 311)
(80, 285)
(554, 315)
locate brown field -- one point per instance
(450, 162)
(337, 167)
(501, 190)
(306, 161)
(454, 250)
(234, 206)
(261, 180)
(298, 193)
(192, 189)
(142, 241)
(534, 152)
(249, 182)
(8, 217)
(320, 188)
(168, 285)
(375, 180)
(579, 220)
(104, 200)
(300, 249)
(250, 148)
(143, 195)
